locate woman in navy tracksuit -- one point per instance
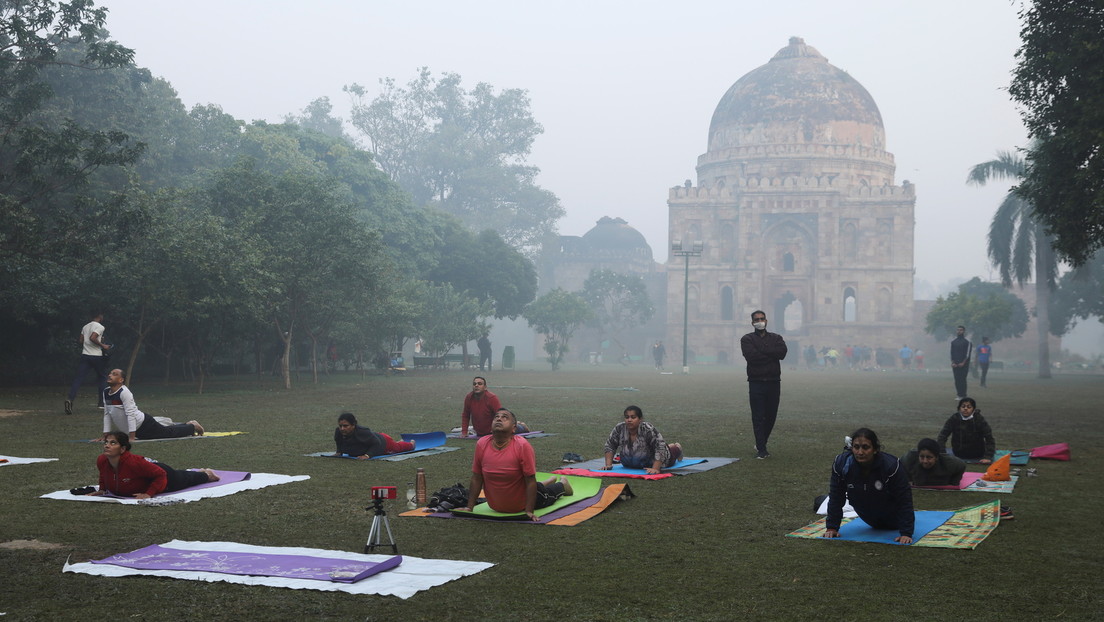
(876, 485)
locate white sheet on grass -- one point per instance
(848, 511)
(15, 460)
(412, 576)
(256, 480)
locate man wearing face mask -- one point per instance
(764, 353)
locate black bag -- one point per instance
(449, 498)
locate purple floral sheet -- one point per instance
(156, 557)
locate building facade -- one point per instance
(799, 215)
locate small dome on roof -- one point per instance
(615, 235)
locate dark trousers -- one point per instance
(150, 428)
(485, 357)
(89, 363)
(764, 398)
(179, 480)
(984, 372)
(960, 374)
(547, 495)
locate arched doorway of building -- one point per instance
(728, 312)
(789, 312)
(849, 305)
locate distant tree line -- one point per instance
(211, 242)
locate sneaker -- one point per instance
(1006, 513)
(569, 458)
(763, 455)
(68, 407)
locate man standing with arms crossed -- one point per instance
(764, 353)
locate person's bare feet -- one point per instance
(198, 428)
(567, 486)
(211, 475)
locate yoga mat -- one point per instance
(583, 488)
(10, 460)
(195, 493)
(972, 482)
(406, 455)
(473, 437)
(1019, 457)
(423, 443)
(157, 440)
(566, 516)
(965, 529)
(252, 564)
(414, 575)
(687, 466)
(620, 470)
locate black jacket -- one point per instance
(764, 354)
(881, 496)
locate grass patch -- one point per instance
(708, 546)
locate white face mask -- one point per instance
(759, 325)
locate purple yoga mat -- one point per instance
(156, 557)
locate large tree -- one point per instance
(618, 302)
(557, 315)
(1079, 296)
(47, 227)
(463, 151)
(1018, 244)
(985, 309)
(1059, 81)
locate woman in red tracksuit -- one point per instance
(125, 474)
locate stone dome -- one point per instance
(614, 236)
(802, 109)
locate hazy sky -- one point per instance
(626, 90)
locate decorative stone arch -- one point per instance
(849, 237)
(693, 303)
(728, 304)
(789, 237)
(884, 304)
(850, 305)
(729, 242)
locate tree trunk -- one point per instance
(1043, 260)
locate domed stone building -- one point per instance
(799, 215)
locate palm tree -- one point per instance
(1017, 240)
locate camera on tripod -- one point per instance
(385, 492)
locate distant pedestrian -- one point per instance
(984, 353)
(960, 361)
(919, 358)
(658, 352)
(906, 357)
(94, 353)
(484, 345)
(764, 353)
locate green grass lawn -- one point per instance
(709, 546)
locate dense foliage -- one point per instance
(210, 241)
(1059, 82)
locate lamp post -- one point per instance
(677, 250)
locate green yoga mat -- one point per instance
(583, 487)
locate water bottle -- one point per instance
(420, 487)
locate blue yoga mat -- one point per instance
(421, 440)
(858, 531)
(677, 465)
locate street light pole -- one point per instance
(677, 250)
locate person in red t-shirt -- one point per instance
(505, 469)
(480, 407)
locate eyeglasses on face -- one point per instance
(477, 383)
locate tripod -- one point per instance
(376, 532)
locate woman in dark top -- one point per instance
(970, 434)
(876, 485)
(927, 466)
